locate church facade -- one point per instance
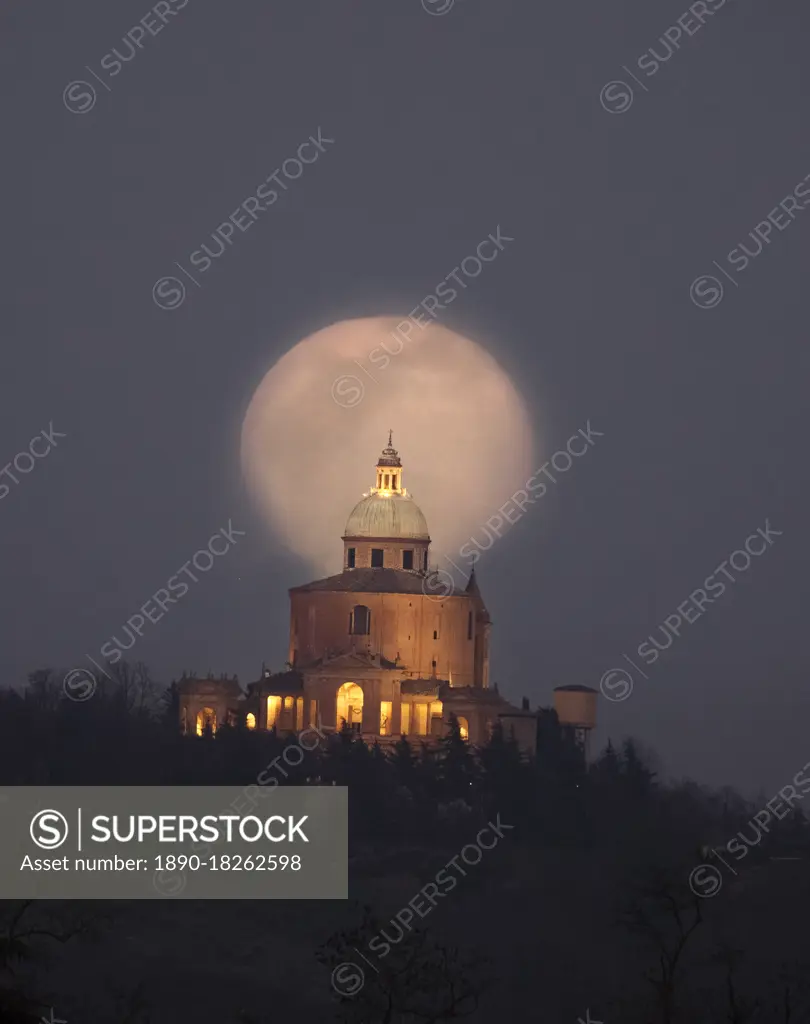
(379, 647)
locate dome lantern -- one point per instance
(386, 529)
(389, 470)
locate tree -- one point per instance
(458, 771)
(665, 915)
(404, 761)
(417, 981)
(639, 780)
(506, 777)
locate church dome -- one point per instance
(388, 516)
(388, 512)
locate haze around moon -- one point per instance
(319, 419)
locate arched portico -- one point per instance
(349, 706)
(206, 719)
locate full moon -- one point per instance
(319, 419)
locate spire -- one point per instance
(390, 456)
(473, 590)
(472, 584)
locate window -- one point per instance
(435, 637)
(250, 721)
(288, 703)
(376, 558)
(206, 719)
(351, 555)
(463, 727)
(299, 714)
(405, 725)
(421, 715)
(349, 706)
(273, 711)
(407, 559)
(387, 481)
(360, 621)
(436, 709)
(385, 717)
(469, 625)
(424, 561)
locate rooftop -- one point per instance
(377, 581)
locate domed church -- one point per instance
(384, 647)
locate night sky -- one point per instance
(445, 123)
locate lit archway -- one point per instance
(250, 721)
(206, 719)
(349, 706)
(273, 710)
(463, 727)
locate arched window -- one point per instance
(349, 706)
(250, 720)
(360, 620)
(464, 727)
(206, 719)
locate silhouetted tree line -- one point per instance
(615, 813)
(127, 733)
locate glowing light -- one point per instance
(206, 718)
(460, 426)
(273, 711)
(349, 705)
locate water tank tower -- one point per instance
(576, 710)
